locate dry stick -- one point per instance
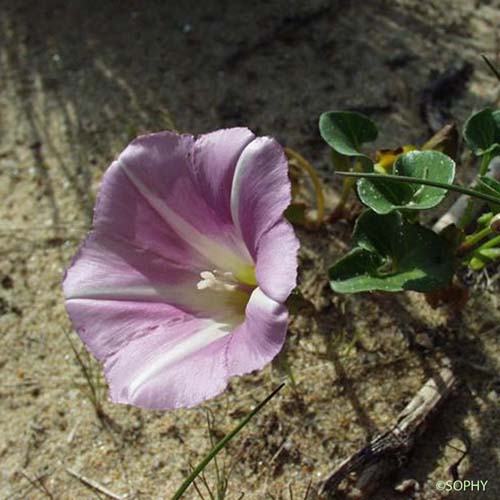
(95, 485)
(388, 451)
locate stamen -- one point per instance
(217, 281)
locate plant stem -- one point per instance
(490, 244)
(483, 169)
(347, 186)
(301, 162)
(211, 454)
(473, 239)
(426, 182)
(468, 214)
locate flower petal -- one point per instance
(110, 269)
(122, 212)
(260, 338)
(276, 268)
(154, 355)
(107, 326)
(160, 167)
(261, 190)
(172, 209)
(159, 357)
(172, 368)
(214, 162)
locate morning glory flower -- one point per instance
(182, 282)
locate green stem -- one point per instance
(473, 239)
(211, 454)
(426, 182)
(484, 164)
(301, 162)
(347, 186)
(490, 244)
(468, 214)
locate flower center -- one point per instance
(225, 294)
(217, 281)
(223, 281)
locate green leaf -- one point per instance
(346, 131)
(393, 255)
(490, 186)
(384, 195)
(482, 132)
(425, 182)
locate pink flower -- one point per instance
(183, 280)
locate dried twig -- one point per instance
(95, 485)
(387, 452)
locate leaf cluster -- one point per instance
(393, 250)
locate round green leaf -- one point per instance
(393, 255)
(384, 195)
(482, 132)
(346, 131)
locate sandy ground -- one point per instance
(78, 80)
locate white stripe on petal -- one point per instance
(145, 293)
(193, 343)
(221, 256)
(226, 306)
(246, 158)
